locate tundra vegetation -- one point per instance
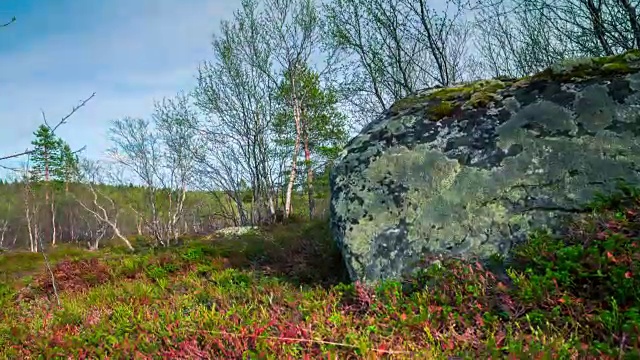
(121, 258)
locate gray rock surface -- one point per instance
(471, 170)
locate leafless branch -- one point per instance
(73, 111)
(10, 168)
(53, 129)
(13, 19)
(27, 152)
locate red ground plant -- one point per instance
(73, 275)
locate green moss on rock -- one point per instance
(443, 102)
(481, 99)
(466, 91)
(452, 93)
(481, 93)
(441, 110)
(581, 68)
(616, 68)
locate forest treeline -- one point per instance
(286, 84)
(124, 205)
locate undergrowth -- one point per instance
(282, 293)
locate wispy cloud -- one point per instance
(128, 52)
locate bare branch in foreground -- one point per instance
(13, 19)
(16, 155)
(73, 111)
(53, 129)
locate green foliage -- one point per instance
(593, 271)
(322, 124)
(193, 254)
(6, 294)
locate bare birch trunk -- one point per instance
(104, 217)
(4, 229)
(53, 221)
(33, 244)
(296, 149)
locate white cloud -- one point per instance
(133, 52)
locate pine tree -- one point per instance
(53, 164)
(321, 128)
(68, 171)
(52, 158)
(45, 145)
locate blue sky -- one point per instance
(130, 52)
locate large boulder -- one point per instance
(470, 170)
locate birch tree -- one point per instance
(394, 48)
(4, 227)
(237, 97)
(442, 39)
(160, 153)
(137, 148)
(31, 209)
(176, 124)
(593, 27)
(517, 37)
(295, 31)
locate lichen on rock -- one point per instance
(471, 169)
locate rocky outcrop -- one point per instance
(471, 170)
